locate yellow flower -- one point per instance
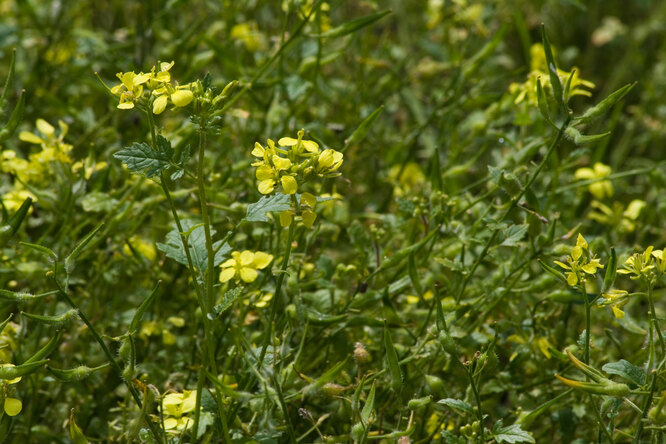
(268, 175)
(299, 144)
(180, 96)
(244, 265)
(601, 188)
(130, 89)
(616, 299)
(329, 161)
(640, 264)
(580, 261)
(175, 407)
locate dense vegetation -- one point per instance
(328, 221)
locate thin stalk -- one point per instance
(645, 408)
(478, 404)
(112, 361)
(513, 205)
(278, 293)
(586, 352)
(654, 319)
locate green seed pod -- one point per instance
(435, 385)
(75, 374)
(331, 389)
(448, 344)
(415, 404)
(357, 431)
(54, 321)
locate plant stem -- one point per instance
(478, 404)
(514, 203)
(278, 293)
(586, 352)
(112, 361)
(653, 318)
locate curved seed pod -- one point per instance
(75, 374)
(55, 321)
(17, 371)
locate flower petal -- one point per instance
(159, 105)
(227, 274)
(30, 138)
(13, 406)
(261, 259)
(289, 185)
(248, 274)
(182, 97)
(45, 127)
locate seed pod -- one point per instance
(415, 404)
(448, 344)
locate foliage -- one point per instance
(317, 221)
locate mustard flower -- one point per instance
(12, 406)
(639, 264)
(329, 161)
(176, 407)
(180, 96)
(616, 299)
(601, 188)
(580, 262)
(268, 174)
(244, 265)
(130, 89)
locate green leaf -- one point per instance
(41, 249)
(75, 432)
(140, 158)
(227, 301)
(459, 406)
(552, 68)
(611, 270)
(196, 240)
(142, 309)
(69, 260)
(369, 406)
(256, 212)
(96, 201)
(392, 360)
(514, 234)
(359, 134)
(511, 434)
(354, 25)
(627, 371)
(47, 349)
(14, 119)
(8, 230)
(326, 377)
(9, 82)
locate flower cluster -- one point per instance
(37, 169)
(602, 188)
(580, 262)
(244, 265)
(527, 92)
(176, 407)
(290, 163)
(647, 264)
(158, 83)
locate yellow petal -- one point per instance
(258, 150)
(261, 260)
(228, 263)
(227, 274)
(285, 218)
(584, 173)
(265, 172)
(170, 423)
(29, 137)
(159, 105)
(45, 127)
(287, 141)
(310, 146)
(289, 185)
(576, 252)
(619, 314)
(182, 97)
(581, 242)
(308, 218)
(266, 186)
(126, 105)
(411, 299)
(13, 406)
(246, 258)
(248, 274)
(565, 266)
(572, 279)
(281, 163)
(308, 199)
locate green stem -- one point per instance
(654, 320)
(112, 361)
(278, 293)
(514, 203)
(586, 352)
(645, 408)
(478, 404)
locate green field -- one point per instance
(332, 221)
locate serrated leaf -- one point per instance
(458, 405)
(140, 158)
(256, 212)
(227, 301)
(514, 234)
(626, 370)
(512, 434)
(196, 240)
